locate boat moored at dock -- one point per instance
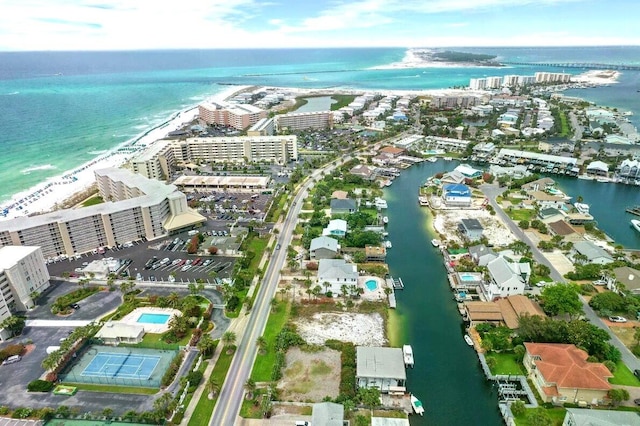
(636, 224)
(468, 339)
(417, 405)
(435, 242)
(407, 352)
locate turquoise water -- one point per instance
(372, 285)
(62, 109)
(467, 277)
(147, 318)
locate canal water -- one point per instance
(447, 377)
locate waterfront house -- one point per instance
(323, 248)
(516, 172)
(468, 172)
(343, 206)
(561, 373)
(481, 254)
(538, 185)
(363, 171)
(629, 278)
(381, 368)
(327, 414)
(334, 273)
(550, 215)
(471, 229)
(456, 195)
(597, 168)
(507, 278)
(484, 149)
(545, 200)
(565, 230)
(584, 252)
(392, 151)
(506, 311)
(375, 253)
(335, 228)
(587, 417)
(629, 169)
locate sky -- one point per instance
(213, 24)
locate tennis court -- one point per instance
(116, 365)
(125, 366)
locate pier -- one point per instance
(635, 210)
(395, 283)
(582, 65)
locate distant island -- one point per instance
(457, 58)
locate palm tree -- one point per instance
(206, 344)
(262, 344)
(326, 285)
(283, 291)
(343, 291)
(229, 339)
(174, 300)
(250, 387)
(213, 387)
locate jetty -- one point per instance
(635, 210)
(395, 283)
(392, 299)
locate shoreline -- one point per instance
(47, 195)
(413, 60)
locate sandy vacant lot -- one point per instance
(495, 231)
(360, 329)
(310, 376)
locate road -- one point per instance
(491, 192)
(228, 405)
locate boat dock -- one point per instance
(392, 299)
(407, 352)
(394, 283)
(635, 210)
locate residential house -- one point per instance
(375, 253)
(468, 172)
(629, 277)
(539, 185)
(381, 368)
(507, 278)
(589, 252)
(597, 168)
(334, 273)
(471, 229)
(561, 373)
(565, 230)
(392, 151)
(363, 171)
(550, 215)
(545, 200)
(327, 414)
(456, 195)
(506, 311)
(343, 206)
(335, 228)
(481, 254)
(588, 417)
(323, 248)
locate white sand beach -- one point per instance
(597, 77)
(42, 198)
(419, 58)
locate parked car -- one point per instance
(636, 401)
(617, 319)
(636, 373)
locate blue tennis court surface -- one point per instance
(121, 365)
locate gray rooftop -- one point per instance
(480, 250)
(591, 250)
(472, 224)
(337, 268)
(587, 417)
(324, 242)
(380, 363)
(343, 204)
(501, 271)
(327, 414)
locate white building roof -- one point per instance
(380, 363)
(598, 165)
(329, 269)
(10, 255)
(337, 225)
(117, 329)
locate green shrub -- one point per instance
(11, 350)
(172, 370)
(194, 378)
(4, 410)
(21, 413)
(40, 386)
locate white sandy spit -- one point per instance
(360, 329)
(413, 59)
(495, 231)
(43, 197)
(597, 77)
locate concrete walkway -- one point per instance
(56, 323)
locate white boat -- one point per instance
(468, 339)
(582, 208)
(636, 224)
(435, 242)
(407, 352)
(417, 405)
(385, 220)
(423, 201)
(432, 159)
(388, 244)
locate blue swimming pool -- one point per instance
(371, 285)
(148, 318)
(467, 277)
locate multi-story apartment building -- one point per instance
(552, 77)
(135, 207)
(305, 120)
(238, 116)
(154, 162)
(264, 127)
(23, 275)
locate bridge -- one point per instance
(582, 65)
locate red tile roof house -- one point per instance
(560, 372)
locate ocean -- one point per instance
(62, 109)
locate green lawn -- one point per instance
(556, 415)
(341, 101)
(520, 214)
(564, 126)
(506, 363)
(92, 201)
(264, 363)
(205, 406)
(624, 376)
(112, 389)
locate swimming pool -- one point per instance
(148, 318)
(371, 285)
(467, 277)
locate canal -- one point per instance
(447, 377)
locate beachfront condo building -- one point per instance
(305, 120)
(552, 77)
(134, 208)
(23, 275)
(238, 116)
(264, 127)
